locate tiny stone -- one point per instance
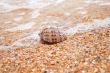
(96, 70)
(102, 70)
(93, 62)
(45, 71)
(109, 57)
(83, 71)
(86, 63)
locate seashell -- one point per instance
(52, 35)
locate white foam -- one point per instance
(84, 27)
(5, 47)
(9, 5)
(18, 18)
(83, 12)
(79, 8)
(8, 22)
(6, 7)
(32, 37)
(60, 1)
(35, 14)
(108, 3)
(22, 27)
(18, 44)
(93, 1)
(22, 13)
(57, 1)
(37, 4)
(67, 13)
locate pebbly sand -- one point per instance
(86, 22)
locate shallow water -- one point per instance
(29, 16)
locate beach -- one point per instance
(86, 23)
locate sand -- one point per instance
(87, 24)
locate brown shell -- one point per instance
(52, 35)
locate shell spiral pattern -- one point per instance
(52, 35)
